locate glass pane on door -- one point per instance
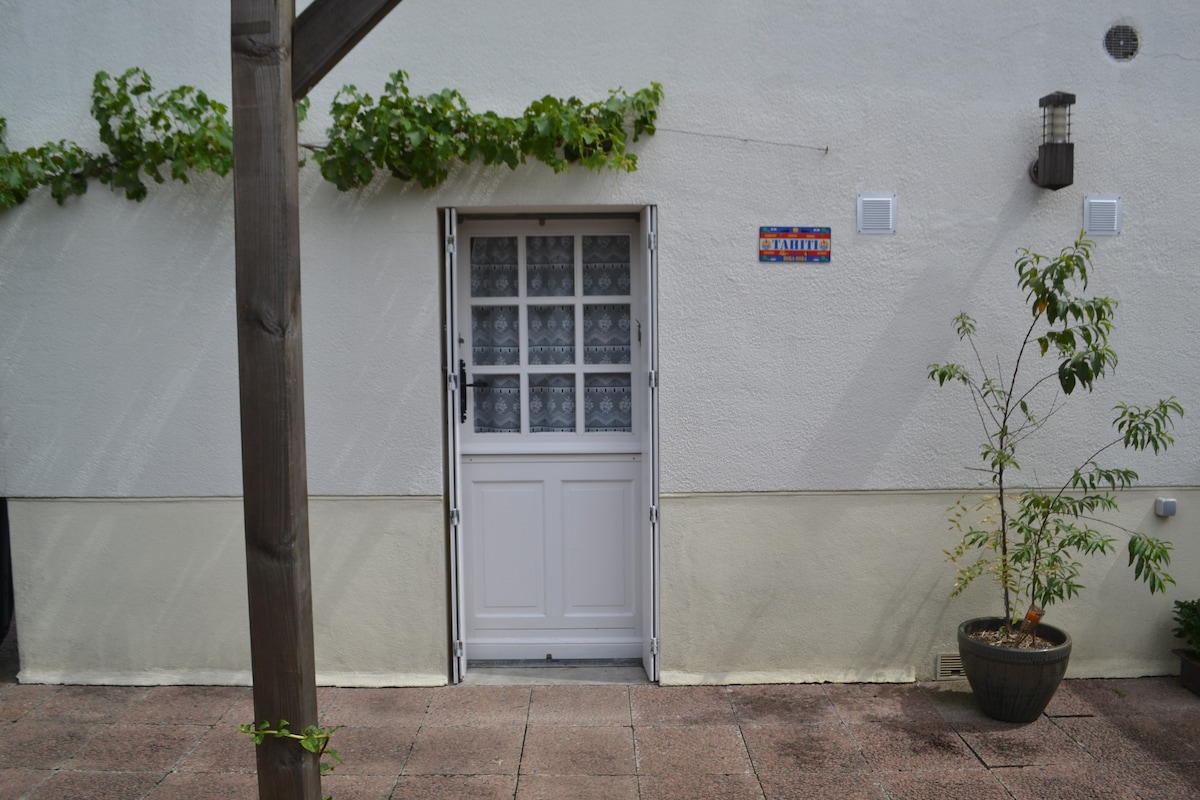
(498, 404)
(551, 403)
(551, 334)
(606, 334)
(495, 335)
(606, 265)
(550, 266)
(494, 266)
(608, 403)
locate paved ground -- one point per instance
(1100, 739)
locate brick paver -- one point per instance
(1128, 738)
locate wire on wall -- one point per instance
(745, 140)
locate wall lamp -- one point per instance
(1055, 164)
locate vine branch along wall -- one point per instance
(152, 135)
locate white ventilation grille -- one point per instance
(948, 667)
(1102, 215)
(877, 213)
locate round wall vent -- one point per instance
(1121, 42)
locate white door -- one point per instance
(552, 329)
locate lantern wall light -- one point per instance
(1055, 164)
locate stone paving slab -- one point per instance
(1129, 738)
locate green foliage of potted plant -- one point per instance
(1187, 627)
(1032, 539)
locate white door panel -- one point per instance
(552, 549)
(508, 545)
(597, 551)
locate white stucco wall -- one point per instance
(118, 368)
(117, 321)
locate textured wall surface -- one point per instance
(154, 591)
(118, 363)
(757, 587)
(852, 586)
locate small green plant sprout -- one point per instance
(1187, 619)
(1031, 538)
(313, 739)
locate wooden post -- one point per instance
(270, 361)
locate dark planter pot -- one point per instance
(1189, 669)
(1010, 684)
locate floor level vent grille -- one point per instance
(948, 667)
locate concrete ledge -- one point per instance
(751, 677)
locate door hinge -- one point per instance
(653, 379)
(458, 649)
(653, 515)
(654, 646)
(455, 516)
(450, 244)
(652, 241)
(452, 382)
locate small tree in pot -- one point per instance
(1031, 539)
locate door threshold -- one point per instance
(560, 672)
(537, 663)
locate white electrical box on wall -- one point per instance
(1102, 215)
(1164, 506)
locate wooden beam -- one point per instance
(325, 32)
(270, 361)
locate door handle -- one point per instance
(462, 397)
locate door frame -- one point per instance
(648, 552)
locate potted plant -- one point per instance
(1187, 627)
(1031, 536)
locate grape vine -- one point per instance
(173, 133)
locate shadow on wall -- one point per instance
(906, 375)
(9, 661)
(135, 361)
(6, 577)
